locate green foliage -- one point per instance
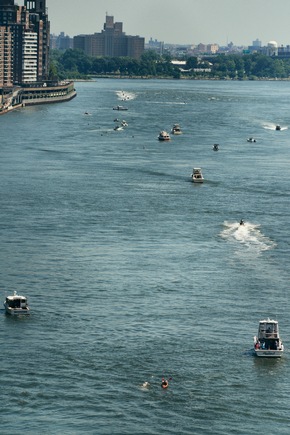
(76, 64)
(253, 66)
(150, 55)
(192, 62)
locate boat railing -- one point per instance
(269, 335)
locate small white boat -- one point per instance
(251, 139)
(16, 305)
(197, 176)
(268, 343)
(163, 136)
(118, 128)
(176, 129)
(124, 123)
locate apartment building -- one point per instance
(24, 42)
(6, 71)
(29, 57)
(111, 42)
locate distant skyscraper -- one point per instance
(61, 41)
(257, 43)
(111, 42)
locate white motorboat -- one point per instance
(163, 136)
(197, 176)
(16, 305)
(176, 129)
(268, 343)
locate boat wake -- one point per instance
(271, 126)
(125, 96)
(248, 235)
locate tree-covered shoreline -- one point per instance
(75, 64)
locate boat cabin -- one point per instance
(268, 334)
(197, 172)
(16, 301)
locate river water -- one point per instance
(134, 273)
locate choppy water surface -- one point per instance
(133, 272)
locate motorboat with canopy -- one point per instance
(268, 342)
(16, 305)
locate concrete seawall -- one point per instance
(16, 97)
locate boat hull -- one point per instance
(265, 353)
(17, 311)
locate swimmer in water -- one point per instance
(242, 222)
(164, 383)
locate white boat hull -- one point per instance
(17, 311)
(268, 353)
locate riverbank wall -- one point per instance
(21, 96)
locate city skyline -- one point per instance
(192, 22)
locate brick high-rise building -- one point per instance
(24, 42)
(111, 42)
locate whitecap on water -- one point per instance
(125, 96)
(248, 235)
(145, 386)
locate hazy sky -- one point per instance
(178, 21)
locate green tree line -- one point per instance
(76, 64)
